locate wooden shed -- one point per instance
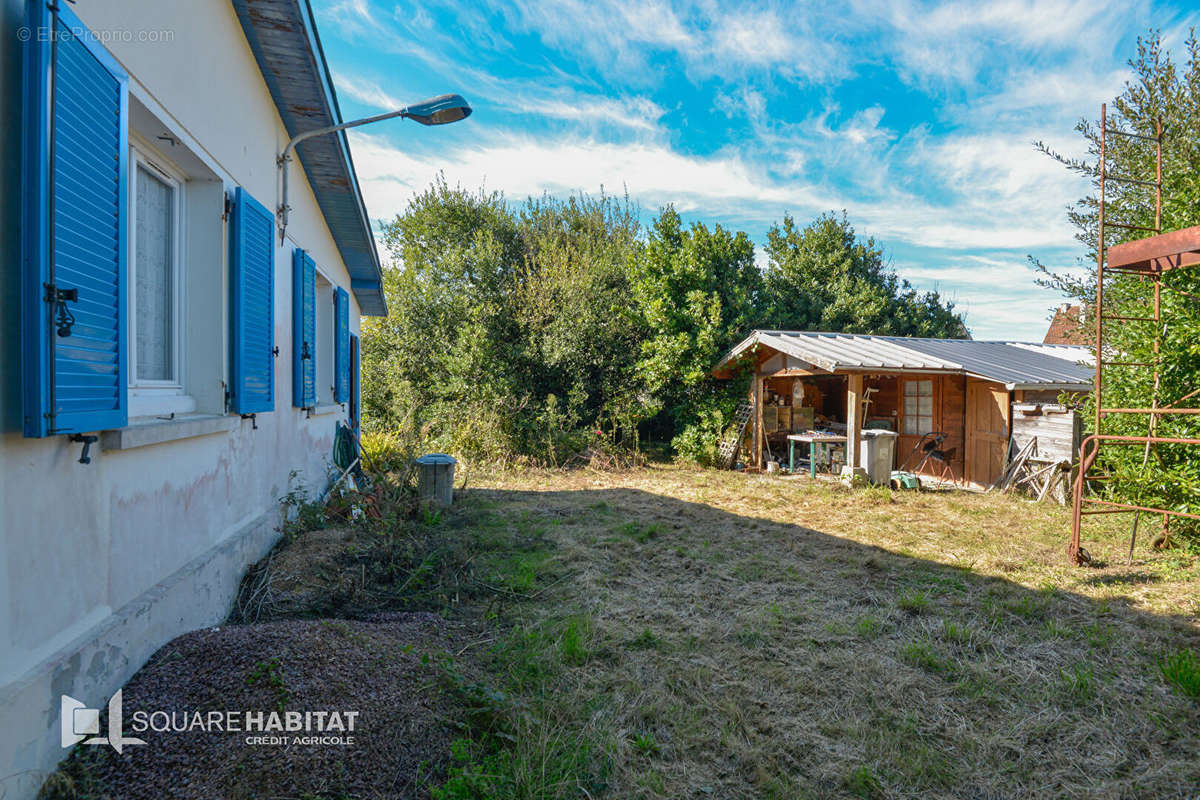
(843, 382)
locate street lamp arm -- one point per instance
(440, 110)
(300, 137)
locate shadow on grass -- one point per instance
(621, 643)
(1123, 579)
(771, 659)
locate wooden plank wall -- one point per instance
(954, 418)
(885, 403)
(1057, 428)
(949, 416)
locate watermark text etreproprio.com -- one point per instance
(43, 33)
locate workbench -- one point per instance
(815, 440)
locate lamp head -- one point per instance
(440, 110)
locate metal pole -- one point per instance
(1074, 549)
(1158, 173)
(1100, 269)
(1159, 327)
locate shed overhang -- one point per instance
(1016, 365)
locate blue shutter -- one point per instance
(341, 347)
(304, 330)
(355, 386)
(73, 230)
(252, 301)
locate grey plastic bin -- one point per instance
(435, 478)
(877, 454)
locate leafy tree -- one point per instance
(1160, 90)
(576, 311)
(510, 334)
(447, 342)
(824, 278)
(697, 290)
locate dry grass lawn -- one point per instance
(727, 636)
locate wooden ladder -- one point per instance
(731, 445)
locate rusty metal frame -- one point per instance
(1151, 266)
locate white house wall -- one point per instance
(101, 564)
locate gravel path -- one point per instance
(374, 667)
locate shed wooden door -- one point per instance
(987, 430)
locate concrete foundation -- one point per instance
(100, 659)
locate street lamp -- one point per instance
(440, 110)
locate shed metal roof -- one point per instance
(283, 38)
(1018, 365)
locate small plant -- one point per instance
(1099, 636)
(1029, 606)
(867, 627)
(953, 632)
(876, 496)
(913, 601)
(645, 640)
(1055, 630)
(431, 516)
(301, 514)
(645, 744)
(269, 673)
(573, 644)
(749, 637)
(959, 634)
(921, 654)
(863, 782)
(1181, 669)
(641, 533)
(1078, 683)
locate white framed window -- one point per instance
(918, 407)
(325, 340)
(157, 324)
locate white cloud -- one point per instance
(638, 113)
(950, 42)
(711, 38)
(525, 166)
(365, 91)
(723, 186)
(954, 179)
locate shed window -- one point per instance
(918, 407)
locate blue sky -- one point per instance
(916, 118)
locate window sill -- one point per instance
(150, 403)
(145, 432)
(329, 408)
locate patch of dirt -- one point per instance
(310, 575)
(385, 668)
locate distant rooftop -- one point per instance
(1067, 326)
